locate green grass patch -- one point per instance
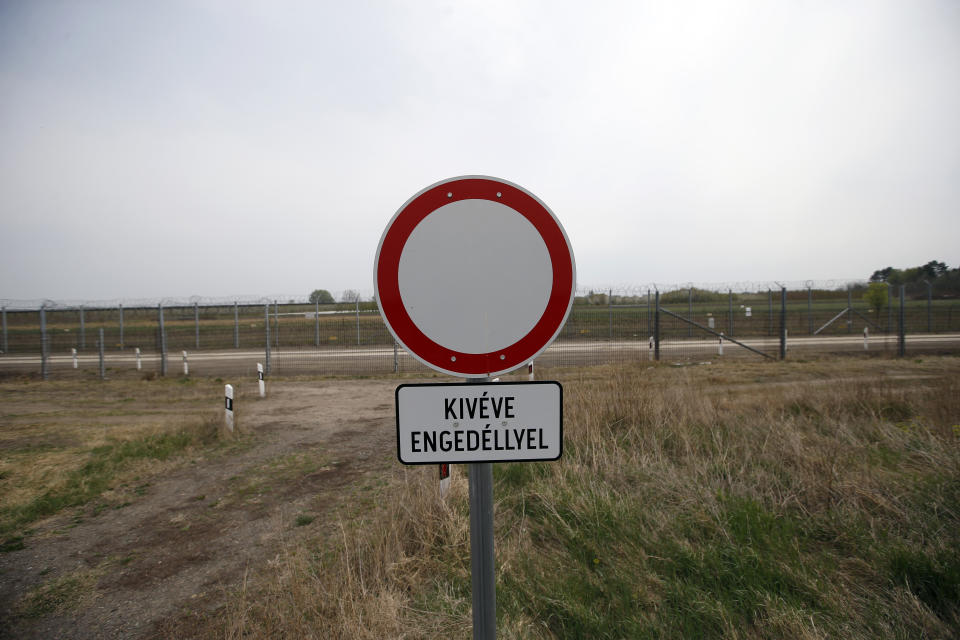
(58, 596)
(101, 469)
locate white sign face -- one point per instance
(484, 258)
(479, 422)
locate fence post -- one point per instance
(276, 322)
(783, 323)
(810, 309)
(5, 345)
(649, 319)
(316, 323)
(44, 373)
(196, 323)
(889, 308)
(83, 331)
(121, 326)
(656, 328)
(769, 311)
(358, 319)
(690, 311)
(103, 368)
(610, 314)
(730, 297)
(929, 305)
(849, 310)
(266, 323)
(396, 358)
(236, 325)
(901, 329)
(163, 341)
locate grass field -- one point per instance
(814, 499)
(775, 500)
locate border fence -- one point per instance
(292, 336)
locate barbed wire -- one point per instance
(366, 295)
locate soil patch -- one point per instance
(173, 553)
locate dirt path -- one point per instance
(169, 556)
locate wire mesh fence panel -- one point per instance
(350, 338)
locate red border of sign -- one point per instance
(387, 286)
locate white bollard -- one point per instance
(186, 367)
(530, 371)
(139, 361)
(263, 386)
(74, 352)
(720, 345)
(865, 338)
(444, 479)
(228, 404)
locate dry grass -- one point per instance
(63, 444)
(783, 500)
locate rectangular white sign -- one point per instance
(479, 422)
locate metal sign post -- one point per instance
(482, 569)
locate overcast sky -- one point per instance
(213, 148)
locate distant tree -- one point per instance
(350, 295)
(321, 296)
(876, 296)
(933, 269)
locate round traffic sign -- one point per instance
(474, 276)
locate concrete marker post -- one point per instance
(530, 371)
(444, 479)
(139, 360)
(260, 381)
(720, 344)
(73, 352)
(103, 368)
(865, 338)
(228, 407)
(650, 349)
(186, 367)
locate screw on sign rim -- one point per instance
(388, 290)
